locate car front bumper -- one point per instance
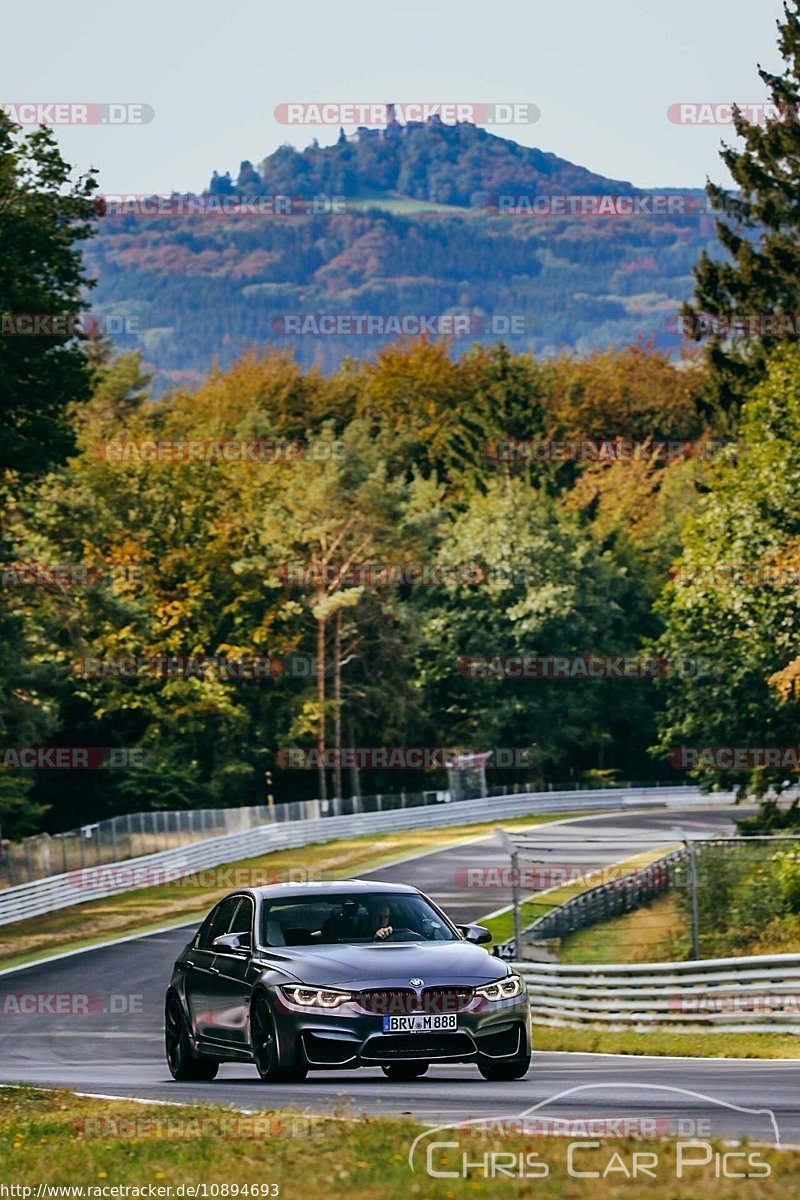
(349, 1039)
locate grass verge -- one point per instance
(404, 205)
(57, 1138)
(190, 898)
(532, 907)
(650, 934)
(701, 1044)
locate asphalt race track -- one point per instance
(113, 1046)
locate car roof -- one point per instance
(354, 887)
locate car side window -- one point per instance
(201, 941)
(242, 923)
(217, 922)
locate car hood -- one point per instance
(389, 964)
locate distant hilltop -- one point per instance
(429, 160)
(392, 129)
(445, 226)
(411, 113)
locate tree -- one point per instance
(329, 518)
(733, 603)
(548, 591)
(571, 570)
(43, 215)
(760, 231)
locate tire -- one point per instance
(264, 1045)
(404, 1072)
(182, 1062)
(504, 1071)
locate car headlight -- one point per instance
(316, 997)
(502, 989)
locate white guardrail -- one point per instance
(719, 995)
(96, 883)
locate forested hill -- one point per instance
(445, 164)
(417, 235)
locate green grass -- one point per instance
(532, 907)
(647, 935)
(668, 1041)
(53, 1137)
(405, 205)
(148, 909)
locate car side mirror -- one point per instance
(478, 934)
(229, 943)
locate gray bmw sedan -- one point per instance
(333, 976)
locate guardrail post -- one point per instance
(515, 903)
(690, 851)
(509, 846)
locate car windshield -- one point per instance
(330, 919)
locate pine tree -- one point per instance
(759, 227)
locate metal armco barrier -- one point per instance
(608, 900)
(745, 995)
(133, 835)
(96, 883)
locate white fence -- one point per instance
(96, 883)
(746, 995)
(133, 835)
(116, 838)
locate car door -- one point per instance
(231, 981)
(202, 988)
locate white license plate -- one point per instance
(420, 1024)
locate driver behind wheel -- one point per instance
(381, 921)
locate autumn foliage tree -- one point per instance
(758, 276)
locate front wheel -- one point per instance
(515, 1069)
(264, 1043)
(181, 1062)
(403, 1072)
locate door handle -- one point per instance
(213, 970)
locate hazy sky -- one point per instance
(603, 75)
